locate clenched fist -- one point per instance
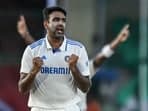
(37, 63)
(73, 60)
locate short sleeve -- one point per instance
(26, 61)
(83, 63)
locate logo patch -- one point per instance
(67, 58)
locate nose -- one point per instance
(61, 22)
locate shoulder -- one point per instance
(37, 43)
(74, 43)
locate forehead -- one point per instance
(57, 14)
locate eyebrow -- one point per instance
(60, 18)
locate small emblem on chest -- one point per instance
(67, 58)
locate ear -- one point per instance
(45, 23)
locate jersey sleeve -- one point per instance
(83, 63)
(91, 68)
(26, 61)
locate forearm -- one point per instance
(83, 83)
(98, 60)
(114, 44)
(28, 38)
(26, 82)
(105, 53)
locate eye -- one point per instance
(64, 19)
(56, 19)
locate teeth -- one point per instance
(59, 31)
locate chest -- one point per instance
(59, 58)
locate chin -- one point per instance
(59, 35)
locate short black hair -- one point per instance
(47, 11)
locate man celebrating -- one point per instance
(54, 67)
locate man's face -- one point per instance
(56, 24)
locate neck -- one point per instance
(55, 42)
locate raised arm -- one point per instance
(23, 30)
(122, 37)
(109, 49)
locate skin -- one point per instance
(26, 80)
(55, 27)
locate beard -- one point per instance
(59, 33)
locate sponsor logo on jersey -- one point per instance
(55, 70)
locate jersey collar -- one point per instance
(62, 47)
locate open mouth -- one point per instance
(60, 30)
